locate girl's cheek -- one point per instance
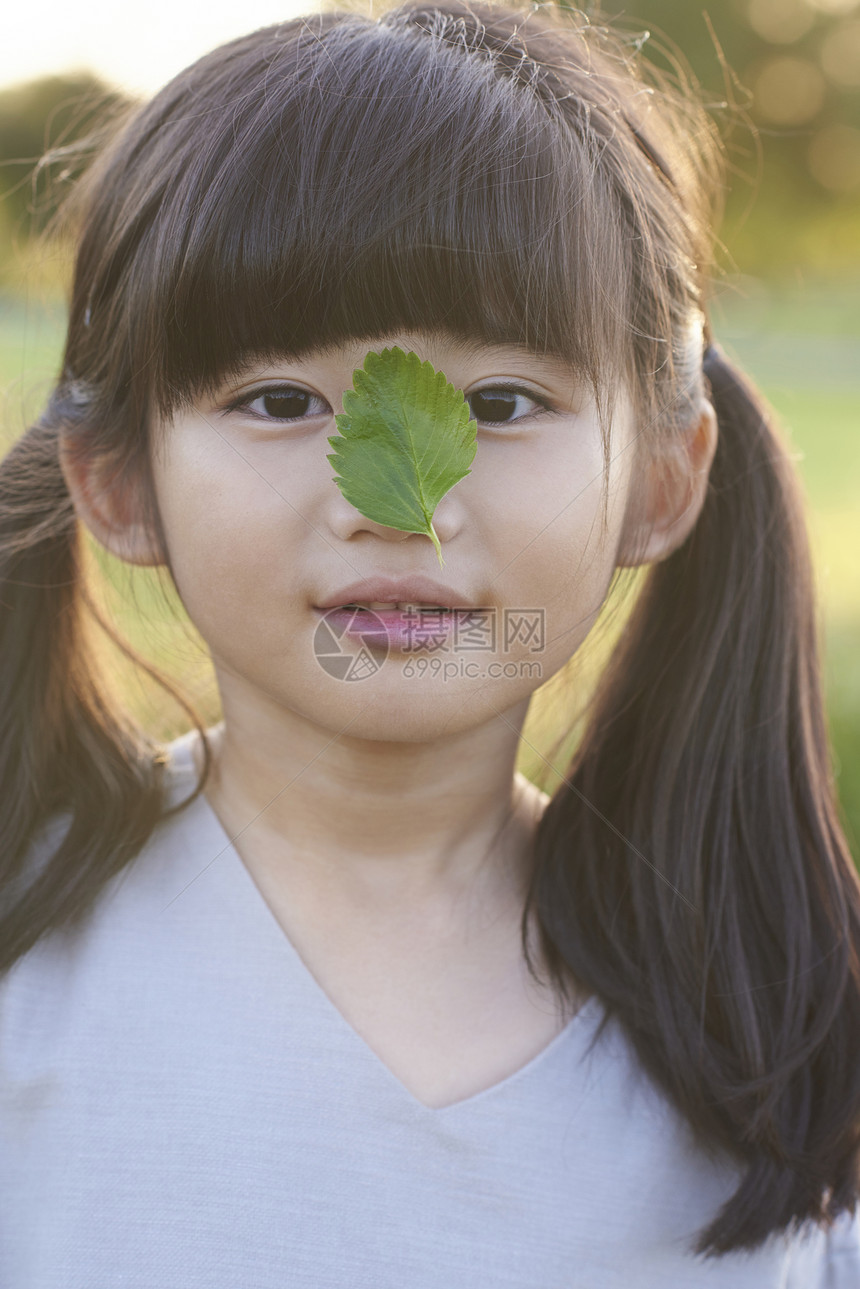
(574, 553)
(559, 495)
(215, 485)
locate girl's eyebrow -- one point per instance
(476, 348)
(551, 366)
(473, 349)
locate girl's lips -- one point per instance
(412, 588)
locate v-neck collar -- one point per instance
(218, 847)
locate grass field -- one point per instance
(801, 344)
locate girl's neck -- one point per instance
(461, 843)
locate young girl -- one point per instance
(328, 994)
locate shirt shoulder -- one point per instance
(139, 891)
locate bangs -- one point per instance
(364, 179)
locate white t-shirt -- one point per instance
(183, 1107)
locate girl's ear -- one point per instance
(667, 496)
(108, 503)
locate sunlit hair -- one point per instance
(505, 176)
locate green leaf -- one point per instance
(406, 437)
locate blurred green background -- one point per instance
(782, 80)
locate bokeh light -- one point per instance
(788, 90)
(840, 54)
(780, 21)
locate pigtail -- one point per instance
(81, 785)
(718, 917)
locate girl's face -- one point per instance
(259, 536)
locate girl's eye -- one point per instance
(496, 404)
(286, 403)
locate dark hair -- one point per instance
(513, 176)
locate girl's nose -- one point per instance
(346, 521)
